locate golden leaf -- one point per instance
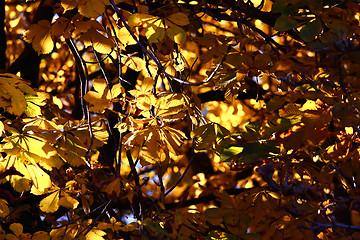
(96, 101)
(67, 201)
(177, 34)
(13, 100)
(92, 8)
(50, 203)
(20, 184)
(40, 37)
(178, 18)
(95, 234)
(40, 235)
(69, 4)
(98, 41)
(115, 91)
(134, 63)
(4, 209)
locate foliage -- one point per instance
(179, 119)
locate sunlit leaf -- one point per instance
(92, 8)
(39, 35)
(50, 203)
(95, 234)
(98, 41)
(67, 201)
(134, 62)
(34, 104)
(177, 34)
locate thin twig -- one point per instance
(88, 228)
(162, 187)
(333, 225)
(76, 219)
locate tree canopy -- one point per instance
(179, 119)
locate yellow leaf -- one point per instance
(116, 90)
(96, 101)
(178, 18)
(137, 19)
(41, 180)
(92, 8)
(134, 63)
(168, 105)
(69, 4)
(33, 124)
(100, 85)
(4, 209)
(155, 33)
(50, 203)
(67, 233)
(68, 202)
(82, 26)
(40, 37)
(177, 34)
(70, 151)
(122, 127)
(34, 103)
(20, 184)
(41, 235)
(173, 137)
(125, 37)
(99, 42)
(95, 234)
(13, 99)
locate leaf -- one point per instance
(209, 136)
(95, 234)
(115, 91)
(97, 102)
(92, 8)
(175, 33)
(40, 235)
(39, 35)
(311, 30)
(230, 152)
(67, 201)
(4, 209)
(114, 187)
(34, 104)
(179, 19)
(284, 23)
(98, 41)
(156, 142)
(16, 228)
(50, 203)
(134, 62)
(138, 19)
(275, 103)
(13, 99)
(20, 184)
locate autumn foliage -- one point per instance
(179, 119)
